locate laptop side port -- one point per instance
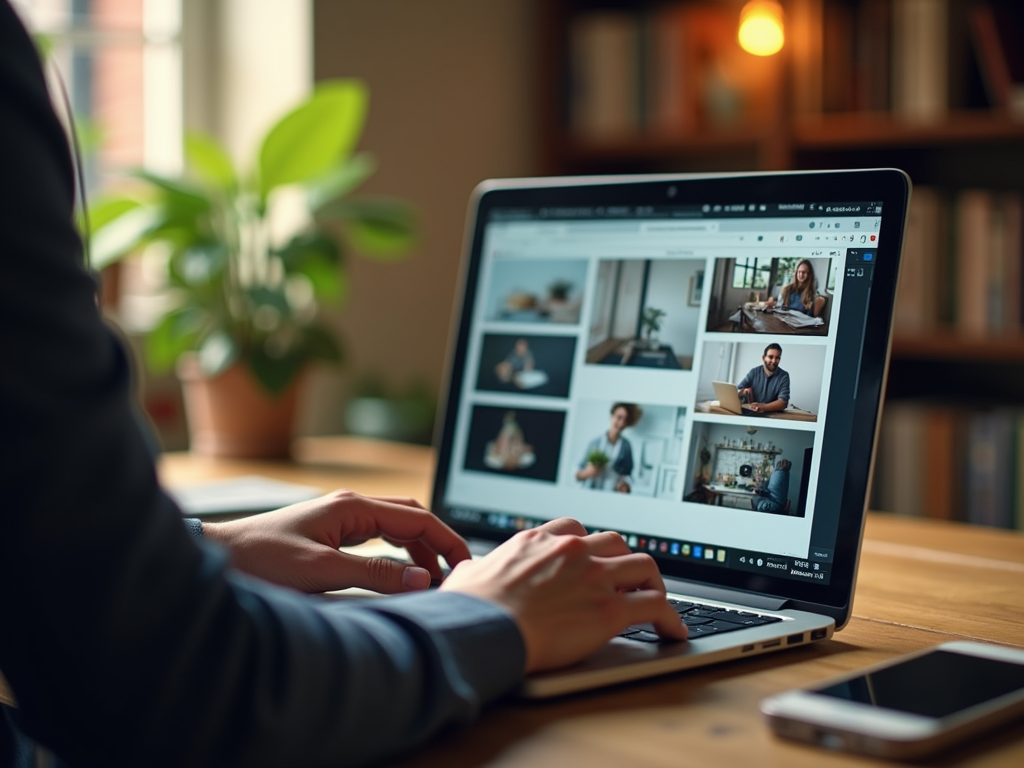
(818, 634)
(772, 644)
(747, 648)
(794, 639)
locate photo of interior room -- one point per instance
(645, 461)
(646, 313)
(732, 362)
(536, 291)
(747, 467)
(781, 296)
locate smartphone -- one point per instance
(909, 707)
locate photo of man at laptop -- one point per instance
(764, 389)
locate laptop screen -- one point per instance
(600, 326)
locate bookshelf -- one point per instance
(935, 87)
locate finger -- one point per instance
(607, 544)
(563, 526)
(404, 524)
(649, 606)
(424, 557)
(382, 574)
(634, 571)
(405, 501)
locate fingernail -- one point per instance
(415, 578)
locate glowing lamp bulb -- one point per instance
(761, 30)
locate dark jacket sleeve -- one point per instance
(125, 640)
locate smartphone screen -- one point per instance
(936, 685)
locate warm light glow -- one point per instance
(761, 27)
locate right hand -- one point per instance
(569, 592)
(589, 471)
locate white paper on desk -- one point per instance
(239, 495)
(798, 319)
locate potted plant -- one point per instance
(650, 321)
(598, 458)
(244, 318)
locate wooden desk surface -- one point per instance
(921, 582)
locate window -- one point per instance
(752, 273)
(120, 63)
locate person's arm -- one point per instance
(819, 304)
(135, 645)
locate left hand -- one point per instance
(297, 546)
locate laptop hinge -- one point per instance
(764, 602)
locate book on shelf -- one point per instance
(997, 38)
(920, 61)
(951, 463)
(665, 69)
(962, 264)
(604, 96)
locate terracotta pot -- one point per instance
(232, 416)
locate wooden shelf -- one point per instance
(954, 348)
(881, 130)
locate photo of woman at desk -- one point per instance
(757, 470)
(780, 296)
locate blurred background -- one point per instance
(463, 90)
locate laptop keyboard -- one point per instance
(701, 621)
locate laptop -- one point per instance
(729, 398)
(755, 530)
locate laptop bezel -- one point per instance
(891, 187)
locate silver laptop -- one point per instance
(729, 398)
(583, 296)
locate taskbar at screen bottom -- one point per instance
(814, 569)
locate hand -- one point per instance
(756, 407)
(297, 546)
(589, 471)
(569, 593)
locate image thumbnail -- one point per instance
(646, 313)
(767, 377)
(779, 296)
(527, 364)
(520, 442)
(536, 291)
(626, 447)
(761, 470)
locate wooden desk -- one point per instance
(715, 407)
(921, 582)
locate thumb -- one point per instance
(388, 576)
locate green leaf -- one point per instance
(216, 353)
(104, 210)
(183, 202)
(379, 226)
(315, 136)
(318, 257)
(210, 162)
(177, 332)
(200, 266)
(339, 181)
(320, 344)
(274, 373)
(124, 234)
